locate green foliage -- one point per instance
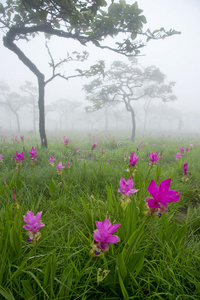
(155, 258)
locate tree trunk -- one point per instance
(129, 108)
(145, 120)
(133, 125)
(34, 116)
(8, 43)
(41, 88)
(18, 124)
(106, 118)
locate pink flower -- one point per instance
(185, 168)
(60, 167)
(103, 235)
(161, 195)
(102, 151)
(33, 225)
(1, 158)
(66, 141)
(19, 157)
(161, 152)
(133, 159)
(77, 149)
(33, 154)
(68, 164)
(154, 145)
(186, 149)
(51, 160)
(191, 146)
(163, 145)
(22, 138)
(182, 150)
(178, 155)
(94, 145)
(153, 157)
(126, 187)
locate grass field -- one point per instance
(156, 257)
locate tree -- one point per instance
(81, 20)
(31, 90)
(13, 101)
(64, 107)
(127, 83)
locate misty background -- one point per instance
(178, 57)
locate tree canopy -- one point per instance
(127, 83)
(83, 20)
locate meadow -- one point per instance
(75, 249)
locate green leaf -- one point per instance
(136, 237)
(66, 282)
(56, 24)
(17, 18)
(43, 15)
(16, 241)
(120, 264)
(181, 233)
(5, 294)
(136, 262)
(133, 35)
(27, 289)
(52, 187)
(38, 282)
(131, 219)
(123, 289)
(142, 19)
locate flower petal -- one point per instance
(153, 189)
(112, 239)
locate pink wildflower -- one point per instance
(161, 195)
(191, 146)
(186, 149)
(186, 173)
(133, 159)
(68, 164)
(182, 150)
(1, 158)
(103, 236)
(51, 160)
(19, 157)
(33, 225)
(22, 138)
(178, 155)
(60, 167)
(66, 142)
(185, 168)
(126, 187)
(33, 155)
(77, 149)
(94, 145)
(153, 157)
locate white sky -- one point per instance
(178, 56)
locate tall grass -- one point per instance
(156, 258)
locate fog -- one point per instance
(178, 57)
